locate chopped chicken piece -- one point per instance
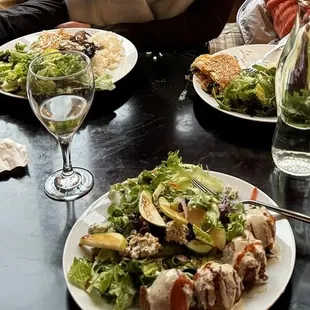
(172, 290)
(217, 286)
(141, 246)
(176, 232)
(262, 225)
(247, 255)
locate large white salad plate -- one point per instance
(246, 55)
(279, 271)
(125, 66)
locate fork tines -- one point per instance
(203, 188)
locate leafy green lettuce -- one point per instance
(236, 223)
(210, 205)
(251, 93)
(121, 224)
(112, 281)
(14, 66)
(80, 272)
(175, 174)
(172, 176)
(103, 280)
(104, 82)
(121, 290)
(124, 197)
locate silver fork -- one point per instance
(288, 213)
(261, 60)
(183, 94)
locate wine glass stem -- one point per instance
(65, 146)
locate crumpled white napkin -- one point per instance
(12, 155)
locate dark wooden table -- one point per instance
(128, 130)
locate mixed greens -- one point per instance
(14, 65)
(252, 92)
(157, 221)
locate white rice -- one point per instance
(111, 54)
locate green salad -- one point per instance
(157, 221)
(250, 93)
(14, 65)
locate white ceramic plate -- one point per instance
(246, 55)
(126, 65)
(279, 272)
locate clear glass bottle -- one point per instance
(291, 141)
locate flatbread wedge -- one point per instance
(215, 71)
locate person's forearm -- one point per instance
(203, 21)
(31, 16)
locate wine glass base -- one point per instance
(83, 187)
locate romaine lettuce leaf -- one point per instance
(121, 289)
(14, 69)
(80, 272)
(58, 64)
(104, 82)
(151, 268)
(103, 280)
(106, 256)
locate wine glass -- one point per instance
(60, 89)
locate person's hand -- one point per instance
(73, 24)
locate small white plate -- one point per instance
(126, 65)
(279, 272)
(246, 55)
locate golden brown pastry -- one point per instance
(215, 71)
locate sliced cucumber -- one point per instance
(198, 247)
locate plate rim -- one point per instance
(76, 29)
(92, 208)
(260, 119)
